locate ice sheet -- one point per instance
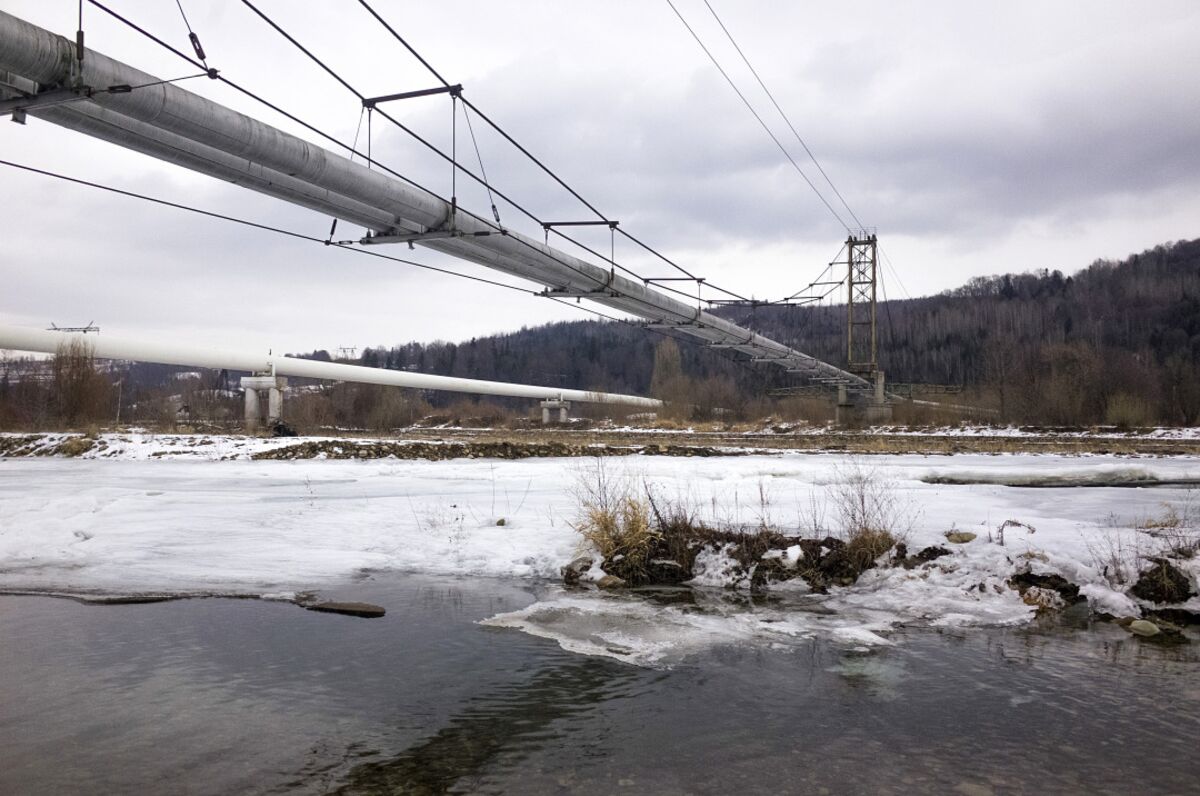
(133, 523)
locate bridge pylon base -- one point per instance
(274, 386)
(857, 410)
(562, 407)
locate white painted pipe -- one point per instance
(107, 347)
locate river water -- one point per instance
(246, 696)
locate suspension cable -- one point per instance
(370, 160)
(754, 113)
(788, 121)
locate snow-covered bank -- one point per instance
(139, 446)
(178, 524)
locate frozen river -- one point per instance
(273, 528)
(936, 679)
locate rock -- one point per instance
(1162, 583)
(572, 572)
(837, 567)
(363, 610)
(1141, 627)
(771, 570)
(500, 523)
(1178, 616)
(75, 446)
(664, 571)
(1042, 598)
(924, 556)
(610, 582)
(625, 568)
(959, 537)
(1023, 581)
(282, 429)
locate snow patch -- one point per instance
(716, 568)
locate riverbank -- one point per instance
(449, 443)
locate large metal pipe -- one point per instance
(98, 122)
(107, 347)
(49, 60)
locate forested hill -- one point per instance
(1116, 336)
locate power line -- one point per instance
(400, 39)
(763, 124)
(888, 306)
(895, 273)
(536, 161)
(192, 37)
(483, 181)
(311, 239)
(792, 127)
(453, 161)
(255, 224)
(317, 131)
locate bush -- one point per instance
(871, 516)
(613, 519)
(1128, 411)
(1177, 528)
(865, 501)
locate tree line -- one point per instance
(1118, 342)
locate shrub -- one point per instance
(1128, 411)
(868, 544)
(613, 519)
(999, 538)
(1115, 552)
(1177, 528)
(871, 516)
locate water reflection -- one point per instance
(879, 674)
(219, 696)
(510, 721)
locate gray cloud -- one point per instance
(977, 138)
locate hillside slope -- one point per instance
(1117, 341)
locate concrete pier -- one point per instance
(864, 410)
(562, 408)
(274, 386)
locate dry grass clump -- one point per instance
(868, 544)
(614, 519)
(1113, 555)
(645, 538)
(871, 515)
(1168, 520)
(1177, 527)
(1120, 548)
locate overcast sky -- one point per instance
(978, 138)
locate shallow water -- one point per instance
(219, 696)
